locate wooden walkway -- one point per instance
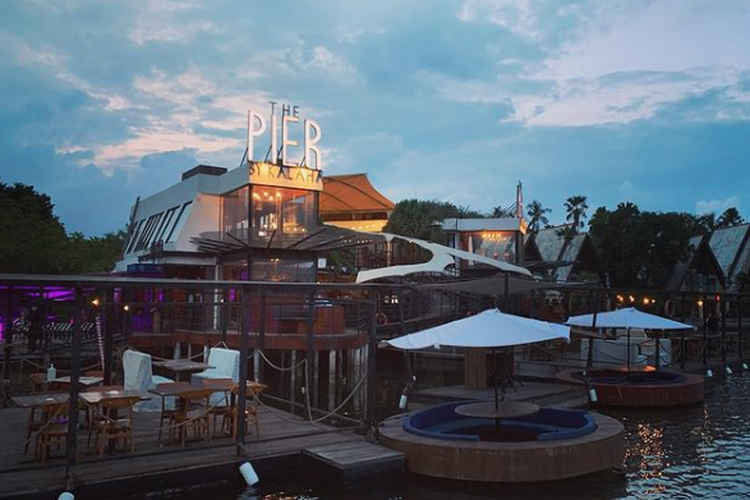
(154, 466)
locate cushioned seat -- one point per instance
(139, 377)
(225, 364)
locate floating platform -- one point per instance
(355, 463)
(507, 461)
(652, 389)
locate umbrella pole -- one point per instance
(628, 353)
(497, 401)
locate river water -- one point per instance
(697, 452)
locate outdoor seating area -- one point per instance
(119, 418)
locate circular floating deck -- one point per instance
(642, 388)
(508, 462)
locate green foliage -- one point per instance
(34, 240)
(419, 219)
(641, 248)
(537, 216)
(730, 217)
(576, 207)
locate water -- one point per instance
(698, 452)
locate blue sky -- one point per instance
(623, 100)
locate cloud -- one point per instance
(717, 206)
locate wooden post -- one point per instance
(8, 328)
(242, 392)
(109, 344)
(262, 329)
(75, 373)
(331, 380)
(293, 376)
(723, 310)
(310, 344)
(372, 375)
(225, 316)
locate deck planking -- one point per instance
(355, 462)
(282, 437)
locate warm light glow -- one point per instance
(126, 308)
(646, 301)
(95, 302)
(700, 303)
(631, 298)
(620, 298)
(494, 235)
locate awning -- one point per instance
(498, 285)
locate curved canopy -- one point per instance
(442, 258)
(627, 318)
(490, 328)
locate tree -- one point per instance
(707, 222)
(537, 217)
(730, 217)
(33, 239)
(576, 207)
(640, 248)
(419, 219)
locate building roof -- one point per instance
(725, 244)
(681, 268)
(352, 193)
(482, 224)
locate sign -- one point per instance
(257, 125)
(296, 177)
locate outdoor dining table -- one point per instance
(84, 381)
(180, 366)
(96, 397)
(497, 410)
(38, 400)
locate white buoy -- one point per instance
(403, 401)
(709, 373)
(728, 370)
(593, 396)
(248, 474)
(744, 366)
(66, 495)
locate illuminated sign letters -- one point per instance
(257, 125)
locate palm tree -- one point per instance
(707, 222)
(537, 217)
(730, 217)
(576, 208)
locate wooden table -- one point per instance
(96, 397)
(85, 381)
(180, 366)
(37, 400)
(505, 409)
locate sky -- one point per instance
(645, 101)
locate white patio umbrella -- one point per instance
(491, 328)
(627, 318)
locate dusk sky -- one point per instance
(642, 101)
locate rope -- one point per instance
(281, 368)
(35, 434)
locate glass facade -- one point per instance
(498, 245)
(235, 213)
(261, 210)
(286, 211)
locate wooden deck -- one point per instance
(153, 466)
(355, 463)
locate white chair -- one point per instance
(139, 377)
(225, 363)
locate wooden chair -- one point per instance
(91, 414)
(185, 417)
(38, 382)
(221, 407)
(252, 405)
(110, 426)
(168, 413)
(54, 429)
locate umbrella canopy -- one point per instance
(490, 328)
(627, 318)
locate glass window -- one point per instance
(275, 269)
(235, 208)
(498, 245)
(286, 211)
